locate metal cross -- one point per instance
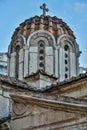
(44, 9)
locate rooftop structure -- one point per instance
(3, 63)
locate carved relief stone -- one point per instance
(20, 109)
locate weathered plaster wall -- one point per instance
(4, 104)
(34, 117)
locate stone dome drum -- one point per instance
(43, 44)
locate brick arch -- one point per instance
(41, 35)
(19, 40)
(70, 41)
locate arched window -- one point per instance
(41, 53)
(17, 49)
(66, 76)
(66, 48)
(67, 61)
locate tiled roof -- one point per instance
(13, 81)
(41, 72)
(48, 23)
(66, 82)
(24, 85)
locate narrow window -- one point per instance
(41, 55)
(66, 48)
(66, 55)
(41, 58)
(66, 68)
(66, 76)
(67, 60)
(17, 49)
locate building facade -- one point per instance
(43, 89)
(83, 70)
(3, 63)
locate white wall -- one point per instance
(33, 59)
(72, 64)
(26, 61)
(3, 63)
(49, 60)
(61, 64)
(4, 104)
(12, 64)
(21, 63)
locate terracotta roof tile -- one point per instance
(24, 85)
(48, 23)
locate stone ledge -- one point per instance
(52, 104)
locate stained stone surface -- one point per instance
(4, 107)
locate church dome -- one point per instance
(53, 25)
(43, 43)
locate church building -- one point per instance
(44, 89)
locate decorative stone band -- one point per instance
(78, 108)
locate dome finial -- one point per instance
(43, 7)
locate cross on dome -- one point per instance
(43, 7)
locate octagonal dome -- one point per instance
(52, 24)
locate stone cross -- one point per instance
(44, 9)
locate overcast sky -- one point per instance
(73, 12)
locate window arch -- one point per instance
(66, 47)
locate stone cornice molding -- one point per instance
(52, 104)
